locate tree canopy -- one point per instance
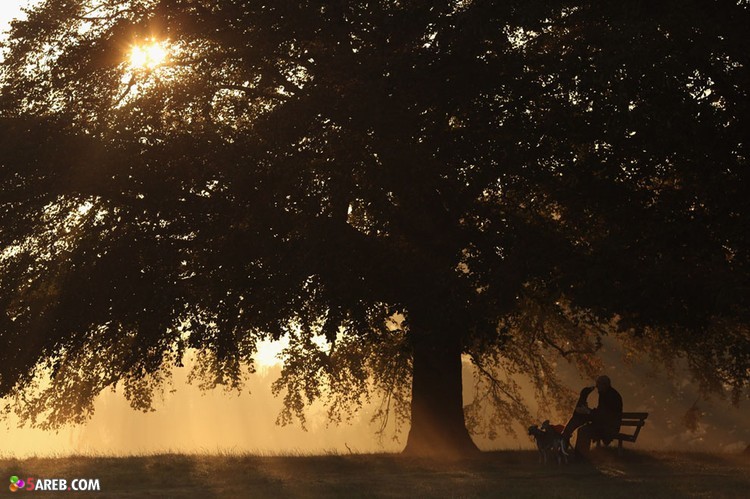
(512, 179)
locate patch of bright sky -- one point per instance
(11, 9)
(269, 351)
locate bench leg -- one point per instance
(619, 447)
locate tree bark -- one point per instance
(438, 428)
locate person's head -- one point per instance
(603, 383)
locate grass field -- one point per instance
(503, 474)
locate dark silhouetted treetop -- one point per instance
(410, 181)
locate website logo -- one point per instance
(53, 484)
(16, 483)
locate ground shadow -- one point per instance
(492, 474)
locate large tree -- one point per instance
(411, 181)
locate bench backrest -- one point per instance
(634, 415)
(637, 419)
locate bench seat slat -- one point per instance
(635, 420)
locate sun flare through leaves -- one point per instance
(148, 55)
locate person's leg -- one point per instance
(598, 432)
(583, 439)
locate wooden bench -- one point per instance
(632, 419)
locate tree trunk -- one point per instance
(437, 414)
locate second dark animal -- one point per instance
(550, 443)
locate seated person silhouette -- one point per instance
(601, 423)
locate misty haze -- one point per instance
(385, 248)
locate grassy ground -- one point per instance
(497, 474)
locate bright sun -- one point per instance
(148, 56)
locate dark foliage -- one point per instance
(511, 178)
